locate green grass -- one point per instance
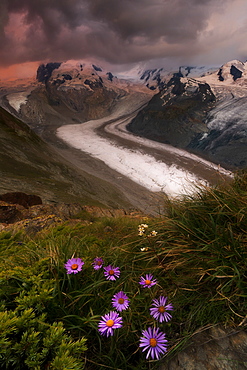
(198, 257)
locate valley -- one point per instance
(157, 167)
(147, 143)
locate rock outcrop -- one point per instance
(10, 214)
(213, 349)
(177, 114)
(23, 199)
(34, 218)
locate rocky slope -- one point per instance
(67, 93)
(28, 164)
(206, 116)
(176, 114)
(24, 212)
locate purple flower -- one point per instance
(74, 265)
(97, 263)
(154, 342)
(110, 321)
(148, 281)
(120, 301)
(160, 308)
(111, 273)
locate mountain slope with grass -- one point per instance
(28, 164)
(54, 293)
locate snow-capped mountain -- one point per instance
(156, 79)
(179, 114)
(74, 73)
(69, 92)
(233, 72)
(85, 75)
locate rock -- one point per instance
(62, 210)
(108, 229)
(9, 214)
(212, 349)
(44, 72)
(177, 114)
(41, 216)
(106, 212)
(23, 199)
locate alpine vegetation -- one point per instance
(153, 340)
(100, 295)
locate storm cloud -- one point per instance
(119, 31)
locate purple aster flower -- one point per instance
(97, 263)
(120, 301)
(74, 265)
(160, 308)
(110, 321)
(111, 273)
(148, 281)
(153, 341)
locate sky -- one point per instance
(120, 33)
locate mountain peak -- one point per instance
(232, 71)
(71, 70)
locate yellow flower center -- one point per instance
(161, 309)
(153, 342)
(98, 263)
(111, 272)
(74, 266)
(121, 300)
(109, 323)
(148, 282)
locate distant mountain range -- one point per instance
(227, 73)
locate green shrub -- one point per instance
(28, 337)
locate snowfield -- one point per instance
(16, 99)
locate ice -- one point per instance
(140, 167)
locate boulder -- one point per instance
(212, 349)
(23, 199)
(9, 214)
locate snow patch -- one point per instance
(17, 99)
